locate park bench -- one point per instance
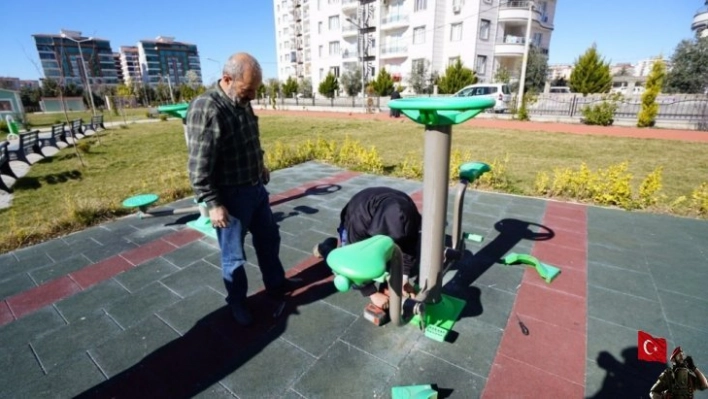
(77, 129)
(5, 169)
(51, 142)
(95, 124)
(25, 148)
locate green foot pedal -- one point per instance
(414, 392)
(436, 333)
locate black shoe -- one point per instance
(323, 249)
(288, 285)
(241, 314)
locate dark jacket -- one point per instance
(383, 210)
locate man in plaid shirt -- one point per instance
(227, 173)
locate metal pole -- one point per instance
(169, 85)
(524, 63)
(88, 84)
(435, 193)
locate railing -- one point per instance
(349, 28)
(348, 2)
(515, 4)
(511, 39)
(389, 19)
(393, 49)
(350, 54)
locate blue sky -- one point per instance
(624, 30)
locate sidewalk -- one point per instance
(135, 308)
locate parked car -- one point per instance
(498, 91)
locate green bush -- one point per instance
(602, 114)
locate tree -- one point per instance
(456, 77)
(421, 78)
(559, 82)
(273, 87)
(30, 96)
(305, 88)
(290, 87)
(328, 86)
(502, 76)
(383, 84)
(193, 80)
(261, 91)
(351, 81)
(536, 71)
(647, 115)
(689, 70)
(591, 74)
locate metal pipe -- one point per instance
(395, 286)
(457, 220)
(435, 186)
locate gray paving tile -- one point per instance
(279, 363)
(618, 378)
(629, 282)
(15, 285)
(474, 347)
(487, 305)
(691, 340)
(79, 369)
(109, 249)
(33, 326)
(55, 348)
(91, 301)
(290, 256)
(216, 391)
(189, 253)
(625, 258)
(56, 249)
(105, 236)
(306, 237)
(146, 273)
(351, 301)
(83, 235)
(389, 343)
(191, 278)
(332, 375)
(147, 234)
(20, 368)
(184, 314)
(292, 395)
(141, 304)
(128, 347)
(681, 278)
(33, 261)
(7, 260)
(612, 306)
(421, 368)
(685, 310)
(61, 268)
(320, 320)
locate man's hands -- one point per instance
(408, 291)
(380, 300)
(266, 175)
(690, 364)
(219, 216)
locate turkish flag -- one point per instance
(651, 349)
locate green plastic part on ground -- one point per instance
(547, 272)
(441, 111)
(440, 318)
(414, 392)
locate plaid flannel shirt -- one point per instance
(224, 145)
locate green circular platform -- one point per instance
(140, 200)
(441, 111)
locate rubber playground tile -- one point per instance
(20, 368)
(109, 250)
(613, 306)
(98, 272)
(627, 259)
(612, 378)
(145, 274)
(562, 350)
(183, 237)
(54, 349)
(129, 347)
(78, 369)
(535, 380)
(218, 391)
(6, 316)
(141, 304)
(471, 346)
(15, 285)
(60, 268)
(186, 313)
(332, 375)
(621, 280)
(685, 310)
(613, 239)
(148, 251)
(421, 368)
(189, 253)
(188, 280)
(569, 281)
(560, 257)
(36, 298)
(91, 301)
(12, 267)
(33, 326)
(313, 327)
(691, 340)
(553, 307)
(54, 249)
(279, 363)
(389, 342)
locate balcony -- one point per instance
(394, 21)
(518, 12)
(349, 4)
(510, 46)
(349, 30)
(349, 54)
(700, 22)
(394, 51)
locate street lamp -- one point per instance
(83, 65)
(361, 55)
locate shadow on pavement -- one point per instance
(631, 379)
(214, 348)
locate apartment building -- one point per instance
(166, 60)
(700, 21)
(315, 37)
(130, 65)
(64, 56)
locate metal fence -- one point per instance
(342, 102)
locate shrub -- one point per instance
(602, 114)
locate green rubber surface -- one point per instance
(140, 200)
(441, 111)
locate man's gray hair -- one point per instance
(237, 64)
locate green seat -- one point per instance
(472, 171)
(362, 262)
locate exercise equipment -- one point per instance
(547, 272)
(365, 261)
(414, 392)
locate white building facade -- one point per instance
(315, 37)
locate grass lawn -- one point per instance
(59, 195)
(39, 120)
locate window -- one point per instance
(537, 37)
(484, 27)
(335, 71)
(452, 60)
(419, 35)
(456, 32)
(333, 48)
(481, 67)
(418, 65)
(319, 27)
(420, 5)
(321, 73)
(319, 51)
(334, 22)
(5, 105)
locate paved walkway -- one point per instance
(135, 308)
